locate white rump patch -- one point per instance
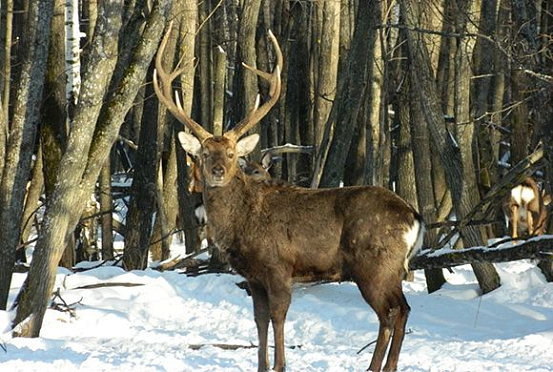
(413, 240)
(522, 195)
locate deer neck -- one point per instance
(227, 208)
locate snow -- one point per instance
(161, 325)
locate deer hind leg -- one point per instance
(261, 315)
(389, 313)
(398, 334)
(280, 294)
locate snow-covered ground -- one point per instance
(171, 322)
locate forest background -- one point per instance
(448, 103)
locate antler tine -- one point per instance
(256, 114)
(165, 93)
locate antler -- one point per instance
(257, 113)
(164, 91)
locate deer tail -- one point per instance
(414, 239)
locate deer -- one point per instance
(274, 232)
(526, 209)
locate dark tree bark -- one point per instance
(106, 209)
(32, 203)
(54, 120)
(350, 94)
(472, 236)
(140, 215)
(204, 65)
(423, 180)
(486, 133)
(544, 118)
(297, 102)
(546, 264)
(186, 202)
(406, 144)
(21, 142)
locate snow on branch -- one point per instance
(536, 248)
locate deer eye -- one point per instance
(230, 154)
(205, 154)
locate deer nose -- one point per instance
(218, 171)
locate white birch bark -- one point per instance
(72, 51)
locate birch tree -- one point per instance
(72, 51)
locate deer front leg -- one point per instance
(279, 302)
(261, 315)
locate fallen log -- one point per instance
(535, 248)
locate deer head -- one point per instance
(217, 155)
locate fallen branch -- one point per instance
(63, 307)
(235, 346)
(537, 248)
(187, 262)
(409, 331)
(108, 285)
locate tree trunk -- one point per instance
(204, 66)
(246, 87)
(486, 274)
(423, 176)
(488, 168)
(21, 142)
(106, 209)
(54, 128)
(186, 201)
(140, 216)
(374, 119)
(5, 84)
(349, 99)
(326, 66)
(297, 95)
(32, 203)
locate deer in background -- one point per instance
(273, 232)
(526, 209)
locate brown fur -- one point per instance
(526, 217)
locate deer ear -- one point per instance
(246, 145)
(189, 143)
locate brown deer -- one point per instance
(526, 209)
(273, 233)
